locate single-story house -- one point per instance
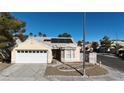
(44, 50)
(120, 42)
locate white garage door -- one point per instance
(31, 56)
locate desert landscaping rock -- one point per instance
(69, 70)
(96, 71)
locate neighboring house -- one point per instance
(114, 43)
(120, 42)
(44, 49)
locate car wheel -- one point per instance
(120, 55)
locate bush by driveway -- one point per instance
(4, 66)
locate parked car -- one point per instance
(102, 49)
(120, 52)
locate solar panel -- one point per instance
(57, 40)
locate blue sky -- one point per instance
(98, 24)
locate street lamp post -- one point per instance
(84, 32)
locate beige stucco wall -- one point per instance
(77, 54)
(75, 59)
(118, 42)
(31, 44)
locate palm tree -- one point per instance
(64, 35)
(40, 34)
(31, 34)
(44, 35)
(35, 35)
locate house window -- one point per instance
(34, 51)
(73, 53)
(22, 51)
(26, 51)
(30, 51)
(37, 51)
(62, 53)
(45, 51)
(18, 51)
(68, 53)
(41, 51)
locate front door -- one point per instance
(56, 54)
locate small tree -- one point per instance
(106, 42)
(79, 43)
(10, 27)
(31, 34)
(64, 35)
(44, 35)
(40, 34)
(94, 46)
(35, 35)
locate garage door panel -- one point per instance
(31, 57)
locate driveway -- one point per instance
(28, 72)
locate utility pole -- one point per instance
(116, 38)
(84, 32)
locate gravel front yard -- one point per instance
(74, 70)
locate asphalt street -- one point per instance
(112, 61)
